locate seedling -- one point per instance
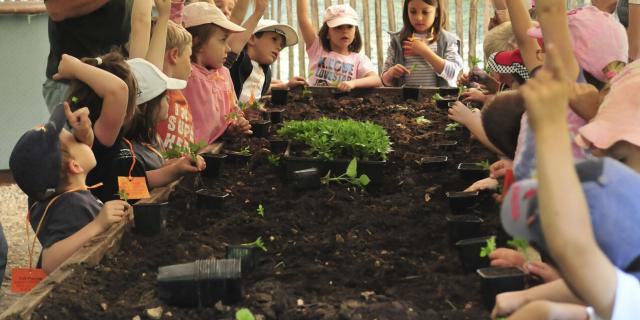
(256, 244)
(350, 176)
(484, 164)
(75, 99)
(422, 120)
(244, 314)
(306, 92)
(490, 247)
(274, 160)
(437, 97)
(251, 104)
(452, 127)
(260, 210)
(177, 151)
(520, 245)
(475, 61)
(232, 116)
(461, 89)
(123, 195)
(335, 83)
(413, 68)
(245, 151)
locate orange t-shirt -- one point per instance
(178, 128)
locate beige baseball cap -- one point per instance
(199, 13)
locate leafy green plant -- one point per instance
(256, 244)
(274, 160)
(452, 127)
(520, 245)
(244, 314)
(484, 164)
(123, 195)
(350, 176)
(437, 97)
(475, 61)
(245, 151)
(177, 151)
(422, 120)
(489, 247)
(331, 139)
(260, 210)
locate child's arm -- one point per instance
(239, 11)
(81, 124)
(63, 9)
(307, 30)
(549, 310)
(520, 23)
(172, 172)
(555, 291)
(564, 214)
(555, 28)
(633, 31)
(140, 28)
(472, 121)
(370, 80)
(113, 91)
(392, 70)
(112, 212)
(158, 42)
(237, 41)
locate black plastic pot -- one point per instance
(446, 145)
(411, 92)
(210, 200)
(337, 94)
(449, 92)
(437, 163)
(237, 157)
(279, 96)
(260, 128)
(463, 227)
(469, 253)
(278, 146)
(201, 283)
(149, 218)
(444, 103)
(306, 179)
(499, 280)
(275, 115)
(215, 165)
(247, 255)
(459, 202)
(472, 172)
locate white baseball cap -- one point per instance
(199, 13)
(289, 34)
(340, 14)
(151, 81)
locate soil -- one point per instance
(333, 253)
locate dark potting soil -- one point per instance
(346, 254)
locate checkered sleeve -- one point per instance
(452, 64)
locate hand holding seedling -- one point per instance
(499, 168)
(547, 94)
(67, 68)
(395, 72)
(240, 126)
(81, 124)
(542, 270)
(489, 247)
(186, 164)
(459, 113)
(472, 95)
(112, 212)
(346, 86)
(505, 258)
(297, 82)
(484, 184)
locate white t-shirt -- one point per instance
(627, 302)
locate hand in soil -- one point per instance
(505, 258)
(472, 95)
(184, 165)
(112, 212)
(484, 184)
(346, 86)
(544, 271)
(461, 114)
(508, 302)
(499, 168)
(240, 126)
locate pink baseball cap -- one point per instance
(199, 13)
(619, 113)
(339, 15)
(597, 37)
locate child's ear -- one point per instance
(172, 55)
(252, 40)
(74, 167)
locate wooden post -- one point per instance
(379, 52)
(391, 13)
(302, 63)
(340, 1)
(314, 14)
(327, 3)
(459, 26)
(352, 3)
(473, 28)
(367, 34)
(445, 3)
(486, 16)
(290, 22)
(279, 15)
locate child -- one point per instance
(50, 164)
(251, 72)
(423, 53)
(334, 58)
(210, 88)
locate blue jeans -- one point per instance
(54, 93)
(4, 250)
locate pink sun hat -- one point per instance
(597, 37)
(619, 113)
(340, 14)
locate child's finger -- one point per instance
(67, 112)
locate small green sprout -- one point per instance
(232, 116)
(437, 97)
(123, 195)
(461, 89)
(244, 314)
(256, 244)
(274, 160)
(452, 127)
(75, 99)
(413, 68)
(520, 245)
(260, 210)
(484, 164)
(245, 151)
(475, 61)
(422, 120)
(350, 176)
(490, 247)
(306, 92)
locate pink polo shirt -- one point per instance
(211, 96)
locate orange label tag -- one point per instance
(136, 188)
(24, 279)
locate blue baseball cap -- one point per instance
(36, 159)
(611, 190)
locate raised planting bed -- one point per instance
(334, 252)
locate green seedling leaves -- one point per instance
(475, 61)
(422, 120)
(484, 164)
(350, 176)
(413, 68)
(352, 169)
(452, 127)
(245, 151)
(256, 244)
(123, 195)
(274, 160)
(437, 97)
(75, 99)
(490, 247)
(260, 210)
(364, 180)
(244, 314)
(520, 245)
(177, 151)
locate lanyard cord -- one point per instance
(133, 157)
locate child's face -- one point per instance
(226, 6)
(214, 51)
(342, 36)
(79, 152)
(266, 48)
(182, 68)
(421, 15)
(624, 152)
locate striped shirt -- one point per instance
(423, 74)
